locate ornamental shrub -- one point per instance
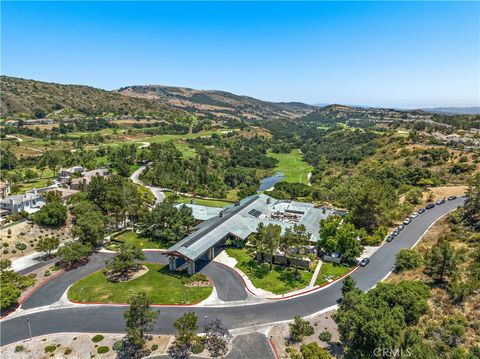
(325, 336)
(50, 348)
(103, 350)
(97, 338)
(21, 246)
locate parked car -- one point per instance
(390, 237)
(421, 210)
(414, 215)
(430, 205)
(451, 198)
(407, 220)
(400, 227)
(440, 201)
(395, 232)
(364, 262)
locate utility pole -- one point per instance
(29, 328)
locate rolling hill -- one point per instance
(29, 99)
(218, 104)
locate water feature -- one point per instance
(269, 182)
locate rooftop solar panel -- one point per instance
(255, 212)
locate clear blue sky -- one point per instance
(410, 54)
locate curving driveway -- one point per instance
(109, 318)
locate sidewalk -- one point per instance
(315, 274)
(28, 261)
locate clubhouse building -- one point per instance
(237, 222)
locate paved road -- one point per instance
(157, 192)
(110, 318)
(228, 285)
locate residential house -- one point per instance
(81, 183)
(29, 202)
(4, 189)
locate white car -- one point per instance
(414, 215)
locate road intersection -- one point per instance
(251, 316)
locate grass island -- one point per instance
(161, 285)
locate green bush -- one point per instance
(5, 251)
(407, 259)
(325, 336)
(51, 214)
(21, 246)
(19, 348)
(50, 348)
(14, 251)
(198, 347)
(103, 350)
(118, 345)
(5, 245)
(154, 347)
(68, 351)
(97, 338)
(47, 273)
(197, 277)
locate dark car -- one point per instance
(364, 262)
(390, 237)
(451, 198)
(440, 201)
(400, 227)
(395, 232)
(430, 206)
(421, 210)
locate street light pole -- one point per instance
(29, 328)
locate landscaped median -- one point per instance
(283, 280)
(330, 272)
(161, 285)
(280, 280)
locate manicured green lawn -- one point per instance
(143, 242)
(187, 151)
(166, 138)
(39, 183)
(161, 285)
(331, 269)
(292, 165)
(200, 201)
(277, 281)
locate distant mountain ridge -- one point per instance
(474, 110)
(216, 103)
(29, 98)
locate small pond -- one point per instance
(269, 182)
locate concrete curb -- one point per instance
(274, 349)
(127, 305)
(306, 291)
(31, 291)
